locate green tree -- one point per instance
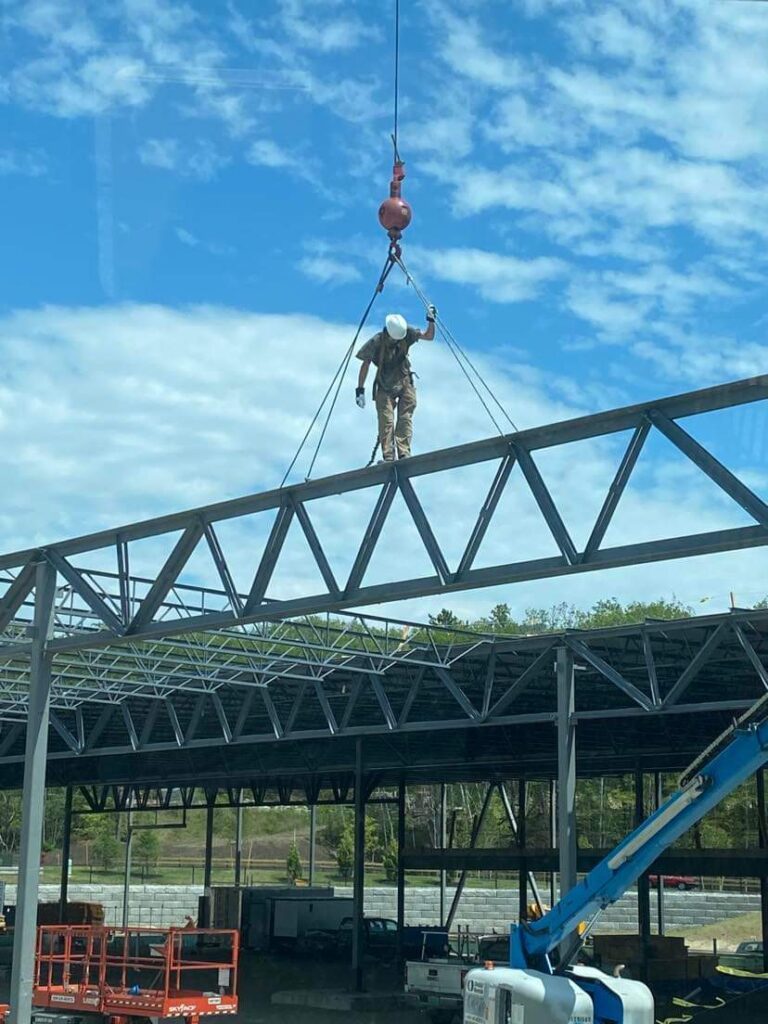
(345, 854)
(293, 864)
(147, 847)
(445, 617)
(372, 838)
(106, 848)
(390, 862)
(500, 619)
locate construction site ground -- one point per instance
(261, 976)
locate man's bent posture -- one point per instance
(393, 389)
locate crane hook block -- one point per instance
(394, 213)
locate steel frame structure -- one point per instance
(297, 681)
(89, 675)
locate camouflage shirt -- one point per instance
(390, 358)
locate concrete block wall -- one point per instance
(486, 910)
(152, 905)
(482, 910)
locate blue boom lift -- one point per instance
(531, 990)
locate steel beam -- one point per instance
(401, 807)
(762, 838)
(33, 798)
(66, 845)
(566, 769)
(660, 901)
(238, 844)
(358, 934)
(643, 885)
(443, 828)
(312, 842)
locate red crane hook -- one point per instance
(394, 213)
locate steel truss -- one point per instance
(129, 614)
(307, 680)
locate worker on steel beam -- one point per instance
(393, 388)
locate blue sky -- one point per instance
(189, 234)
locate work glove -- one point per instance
(431, 313)
(360, 397)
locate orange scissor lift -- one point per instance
(124, 973)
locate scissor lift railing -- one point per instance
(137, 972)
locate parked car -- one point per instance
(379, 936)
(681, 882)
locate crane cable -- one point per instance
(397, 74)
(338, 378)
(458, 354)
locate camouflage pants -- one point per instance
(395, 412)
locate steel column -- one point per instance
(205, 904)
(400, 869)
(238, 844)
(552, 839)
(33, 797)
(66, 842)
(127, 868)
(443, 816)
(658, 800)
(763, 842)
(358, 936)
(312, 842)
(643, 885)
(522, 884)
(566, 769)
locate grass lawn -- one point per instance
(728, 933)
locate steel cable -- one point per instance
(459, 354)
(338, 376)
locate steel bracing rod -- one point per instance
(701, 657)
(485, 515)
(162, 585)
(83, 588)
(751, 654)
(616, 489)
(546, 505)
(477, 826)
(609, 673)
(708, 464)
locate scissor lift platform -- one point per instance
(119, 973)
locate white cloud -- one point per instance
(467, 52)
(199, 159)
(28, 163)
(162, 153)
(191, 240)
(497, 277)
(328, 270)
(187, 238)
(311, 24)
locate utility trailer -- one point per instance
(99, 974)
(540, 986)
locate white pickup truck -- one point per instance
(437, 986)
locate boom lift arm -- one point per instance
(728, 762)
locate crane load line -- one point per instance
(394, 258)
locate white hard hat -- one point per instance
(396, 326)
